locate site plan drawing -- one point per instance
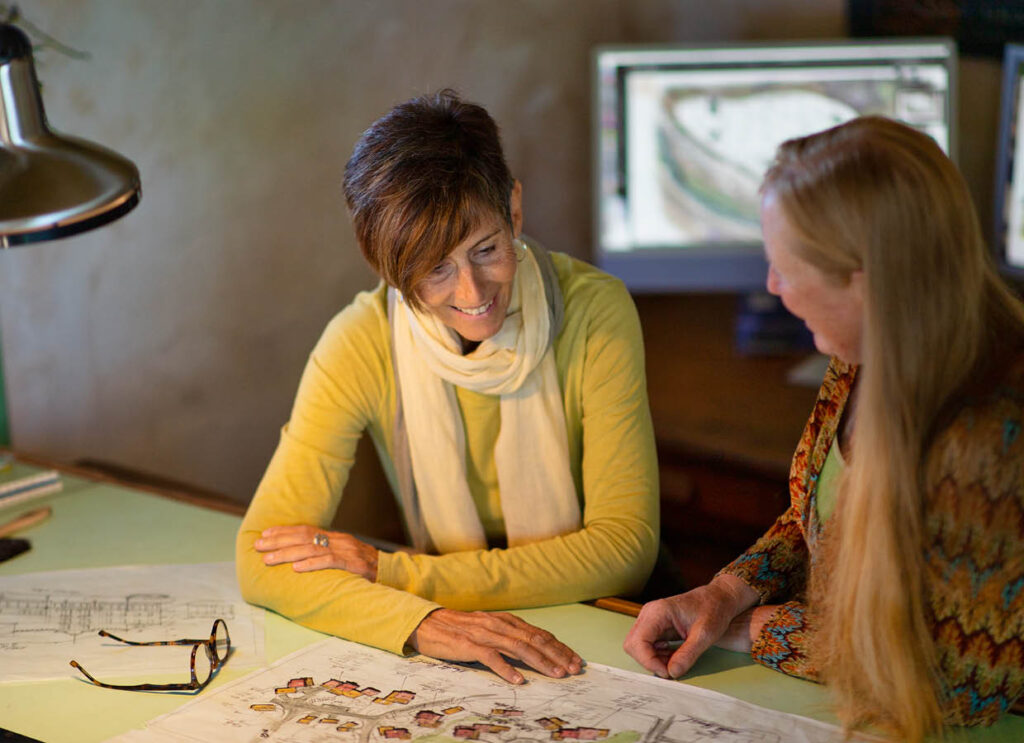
(336, 690)
(47, 619)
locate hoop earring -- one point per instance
(520, 248)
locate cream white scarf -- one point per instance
(538, 496)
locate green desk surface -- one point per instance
(98, 524)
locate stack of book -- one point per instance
(15, 488)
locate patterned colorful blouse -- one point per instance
(974, 522)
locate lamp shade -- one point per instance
(51, 185)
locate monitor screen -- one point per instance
(684, 134)
(1008, 235)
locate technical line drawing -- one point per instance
(46, 619)
(73, 615)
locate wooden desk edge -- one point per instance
(182, 493)
(205, 499)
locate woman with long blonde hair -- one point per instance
(896, 575)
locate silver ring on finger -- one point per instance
(321, 540)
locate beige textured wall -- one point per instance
(172, 340)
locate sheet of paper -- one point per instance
(337, 690)
(48, 619)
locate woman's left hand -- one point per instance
(331, 549)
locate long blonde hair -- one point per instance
(881, 197)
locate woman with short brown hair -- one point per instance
(503, 387)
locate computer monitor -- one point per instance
(1008, 232)
(684, 134)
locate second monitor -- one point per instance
(683, 136)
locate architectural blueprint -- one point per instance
(339, 691)
(46, 619)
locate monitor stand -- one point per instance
(765, 328)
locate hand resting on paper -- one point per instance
(485, 637)
(295, 544)
(490, 638)
(670, 634)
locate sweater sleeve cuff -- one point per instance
(391, 573)
(783, 642)
(741, 568)
(402, 646)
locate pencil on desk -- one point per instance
(25, 520)
(622, 606)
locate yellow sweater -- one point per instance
(348, 387)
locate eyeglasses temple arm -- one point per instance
(104, 633)
(138, 687)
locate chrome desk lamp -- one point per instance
(51, 185)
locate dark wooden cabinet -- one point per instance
(726, 427)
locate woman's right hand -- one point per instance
(490, 638)
(670, 634)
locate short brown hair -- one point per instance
(420, 179)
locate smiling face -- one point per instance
(830, 308)
(470, 290)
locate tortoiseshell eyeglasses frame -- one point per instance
(209, 647)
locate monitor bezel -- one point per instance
(727, 266)
(1006, 146)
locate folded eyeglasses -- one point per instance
(208, 655)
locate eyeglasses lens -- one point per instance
(204, 667)
(221, 640)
